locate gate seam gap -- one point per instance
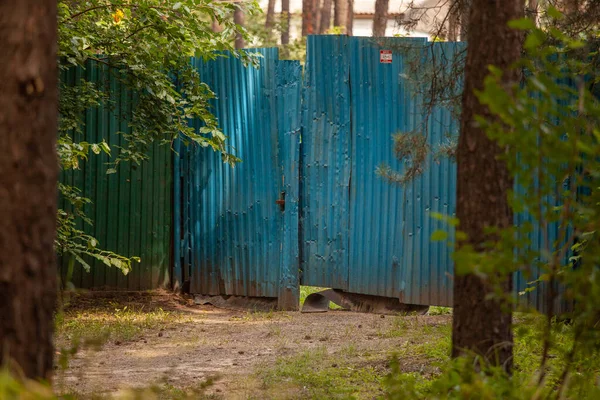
(351, 158)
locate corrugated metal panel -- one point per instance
(362, 234)
(326, 143)
(235, 227)
(289, 124)
(131, 209)
(390, 250)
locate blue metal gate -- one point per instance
(235, 238)
(360, 233)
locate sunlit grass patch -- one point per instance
(122, 323)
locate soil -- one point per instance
(217, 343)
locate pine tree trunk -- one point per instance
(380, 17)
(285, 11)
(340, 14)
(464, 7)
(28, 194)
(453, 21)
(480, 325)
(350, 18)
(325, 20)
(270, 20)
(532, 10)
(240, 19)
(308, 17)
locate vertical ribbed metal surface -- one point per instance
(289, 124)
(326, 146)
(390, 249)
(377, 239)
(362, 234)
(131, 209)
(234, 230)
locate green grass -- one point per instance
(305, 291)
(435, 310)
(119, 324)
(317, 374)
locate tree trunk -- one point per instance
(380, 18)
(270, 14)
(28, 194)
(532, 10)
(464, 11)
(325, 20)
(453, 21)
(317, 18)
(285, 11)
(308, 17)
(340, 14)
(350, 18)
(240, 19)
(480, 325)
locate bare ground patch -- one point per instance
(156, 339)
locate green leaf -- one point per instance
(111, 171)
(95, 148)
(439, 235)
(84, 264)
(554, 13)
(92, 243)
(522, 24)
(105, 147)
(176, 6)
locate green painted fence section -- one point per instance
(131, 209)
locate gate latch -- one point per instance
(281, 201)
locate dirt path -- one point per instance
(203, 342)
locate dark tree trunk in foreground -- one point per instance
(380, 17)
(350, 18)
(481, 326)
(240, 19)
(28, 176)
(270, 14)
(325, 20)
(285, 11)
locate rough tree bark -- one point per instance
(481, 325)
(28, 179)
(453, 21)
(308, 17)
(340, 14)
(270, 19)
(350, 18)
(465, 11)
(240, 19)
(380, 17)
(325, 20)
(285, 10)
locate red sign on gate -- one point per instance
(385, 56)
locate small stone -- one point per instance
(218, 390)
(307, 337)
(160, 334)
(382, 316)
(118, 342)
(359, 326)
(145, 341)
(334, 365)
(241, 352)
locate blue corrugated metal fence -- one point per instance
(306, 205)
